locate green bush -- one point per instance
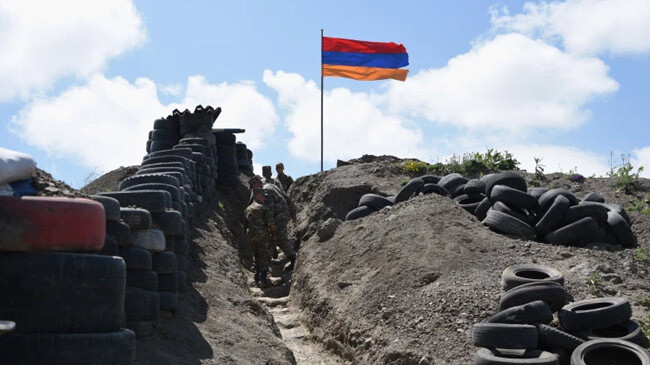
(640, 205)
(473, 164)
(625, 179)
(415, 167)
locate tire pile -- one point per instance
(67, 302)
(227, 153)
(592, 331)
(504, 203)
(244, 159)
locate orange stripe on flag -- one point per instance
(365, 73)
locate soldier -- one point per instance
(259, 226)
(268, 179)
(283, 209)
(286, 180)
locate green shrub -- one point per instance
(640, 205)
(473, 164)
(415, 167)
(625, 179)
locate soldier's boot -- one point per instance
(264, 281)
(292, 262)
(274, 254)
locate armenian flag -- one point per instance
(362, 60)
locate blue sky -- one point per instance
(86, 81)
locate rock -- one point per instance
(612, 277)
(327, 229)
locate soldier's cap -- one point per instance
(254, 178)
(266, 168)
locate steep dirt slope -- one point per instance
(405, 285)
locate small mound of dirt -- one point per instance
(109, 181)
(46, 185)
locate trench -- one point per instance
(296, 335)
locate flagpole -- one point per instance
(321, 100)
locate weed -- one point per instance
(404, 181)
(539, 168)
(595, 283)
(640, 205)
(553, 185)
(625, 179)
(476, 163)
(644, 301)
(415, 167)
(641, 256)
(645, 326)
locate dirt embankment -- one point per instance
(404, 285)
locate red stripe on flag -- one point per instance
(351, 45)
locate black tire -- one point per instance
(358, 212)
(177, 164)
(42, 292)
(517, 275)
(149, 169)
(505, 336)
(474, 187)
(183, 263)
(138, 279)
(182, 246)
(626, 331)
(223, 138)
(106, 348)
(595, 313)
(430, 179)
(582, 210)
(593, 197)
(451, 181)
(457, 191)
(136, 258)
(519, 213)
(110, 247)
(620, 210)
(482, 208)
(150, 239)
(553, 215)
(508, 224)
(435, 189)
(530, 313)
(507, 178)
(141, 305)
(160, 145)
(168, 282)
(513, 197)
(171, 122)
(573, 232)
(111, 207)
(148, 146)
(548, 198)
(163, 263)
(170, 243)
(170, 222)
(374, 201)
(551, 293)
(621, 229)
(180, 176)
(609, 352)
(468, 202)
(169, 134)
(534, 357)
(142, 329)
(198, 148)
(120, 232)
(552, 337)
(182, 281)
(165, 159)
(168, 301)
(151, 200)
(136, 218)
(537, 192)
(174, 192)
(195, 140)
(182, 152)
(408, 190)
(145, 179)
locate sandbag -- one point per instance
(15, 166)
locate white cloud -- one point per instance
(641, 157)
(104, 123)
(584, 26)
(43, 41)
(560, 159)
(171, 89)
(353, 123)
(509, 83)
(242, 107)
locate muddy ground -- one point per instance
(404, 285)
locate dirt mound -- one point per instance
(218, 321)
(109, 181)
(405, 284)
(46, 185)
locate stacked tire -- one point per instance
(66, 301)
(504, 203)
(522, 332)
(244, 163)
(165, 133)
(227, 171)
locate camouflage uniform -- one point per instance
(276, 182)
(286, 181)
(258, 223)
(283, 208)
